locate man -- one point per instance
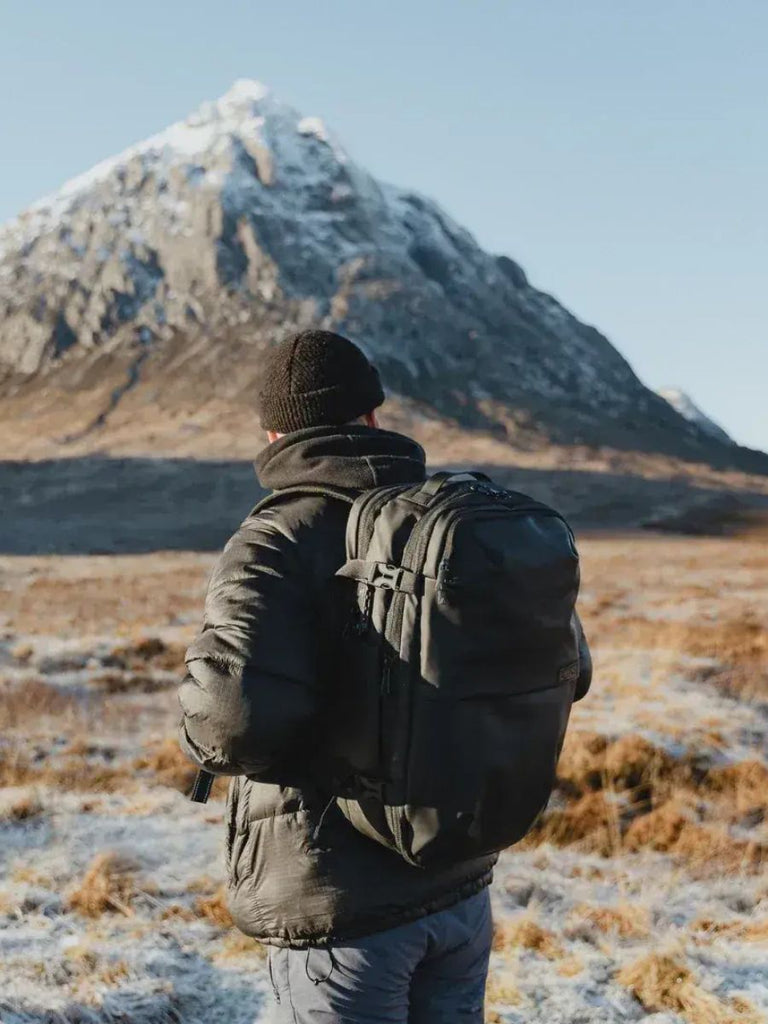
(355, 933)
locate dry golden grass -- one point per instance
(214, 908)
(115, 683)
(168, 764)
(204, 885)
(27, 873)
(669, 829)
(649, 775)
(89, 806)
(15, 768)
(610, 599)
(525, 933)
(570, 966)
(108, 885)
(68, 772)
(236, 945)
(82, 747)
(591, 762)
(84, 962)
(22, 653)
(149, 652)
(590, 824)
(738, 645)
(747, 931)
(739, 681)
(501, 989)
(743, 785)
(24, 703)
(662, 982)
(170, 767)
(734, 641)
(177, 912)
(593, 824)
(9, 904)
(122, 594)
(627, 921)
(24, 807)
(586, 823)
(626, 794)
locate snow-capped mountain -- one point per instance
(684, 404)
(168, 269)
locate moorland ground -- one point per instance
(642, 893)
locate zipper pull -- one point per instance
(386, 674)
(359, 620)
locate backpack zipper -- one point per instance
(392, 630)
(395, 617)
(386, 673)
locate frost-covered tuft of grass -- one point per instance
(107, 885)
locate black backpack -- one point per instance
(458, 665)
(458, 662)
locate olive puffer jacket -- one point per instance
(298, 873)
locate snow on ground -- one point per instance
(92, 808)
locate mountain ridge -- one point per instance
(166, 271)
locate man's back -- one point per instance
(299, 873)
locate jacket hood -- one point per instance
(354, 456)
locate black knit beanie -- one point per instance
(315, 379)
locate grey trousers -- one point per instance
(431, 971)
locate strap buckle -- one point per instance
(389, 577)
(383, 575)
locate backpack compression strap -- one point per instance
(201, 788)
(381, 574)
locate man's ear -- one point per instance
(370, 419)
(272, 436)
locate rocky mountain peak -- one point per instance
(166, 270)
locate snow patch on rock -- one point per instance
(684, 404)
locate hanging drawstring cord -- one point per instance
(316, 829)
(319, 980)
(272, 977)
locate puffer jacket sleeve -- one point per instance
(584, 681)
(250, 696)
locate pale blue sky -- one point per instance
(617, 150)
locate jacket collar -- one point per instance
(352, 455)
